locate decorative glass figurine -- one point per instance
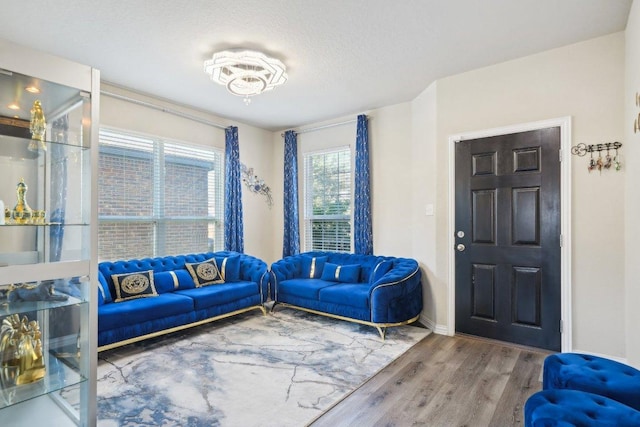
(22, 213)
(38, 127)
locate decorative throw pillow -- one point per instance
(134, 285)
(312, 266)
(205, 273)
(104, 288)
(341, 273)
(169, 281)
(380, 270)
(229, 267)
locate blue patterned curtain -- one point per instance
(362, 228)
(291, 243)
(233, 226)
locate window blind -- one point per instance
(328, 200)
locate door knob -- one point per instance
(460, 234)
(460, 247)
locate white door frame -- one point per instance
(565, 216)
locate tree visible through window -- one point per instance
(328, 200)
(157, 197)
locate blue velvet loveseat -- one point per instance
(372, 290)
(139, 299)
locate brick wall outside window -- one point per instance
(157, 198)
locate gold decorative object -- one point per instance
(38, 127)
(21, 359)
(39, 216)
(22, 213)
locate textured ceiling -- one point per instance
(343, 56)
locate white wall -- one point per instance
(584, 81)
(632, 175)
(424, 184)
(255, 150)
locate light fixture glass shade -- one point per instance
(245, 72)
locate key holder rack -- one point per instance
(608, 161)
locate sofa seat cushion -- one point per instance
(305, 288)
(352, 294)
(223, 293)
(114, 315)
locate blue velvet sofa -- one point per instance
(129, 311)
(372, 290)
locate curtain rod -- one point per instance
(323, 127)
(163, 109)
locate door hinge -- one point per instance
(560, 151)
(561, 240)
(561, 326)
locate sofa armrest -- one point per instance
(287, 268)
(397, 296)
(255, 270)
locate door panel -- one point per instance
(484, 291)
(526, 216)
(526, 291)
(508, 206)
(484, 216)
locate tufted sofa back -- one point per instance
(251, 269)
(291, 266)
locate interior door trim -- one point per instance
(565, 217)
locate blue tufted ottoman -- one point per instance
(565, 408)
(593, 374)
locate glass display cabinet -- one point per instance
(48, 250)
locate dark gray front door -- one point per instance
(508, 238)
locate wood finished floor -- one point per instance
(445, 381)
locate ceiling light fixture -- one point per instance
(245, 72)
(32, 89)
(13, 106)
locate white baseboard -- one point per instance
(437, 329)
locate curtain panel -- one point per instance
(362, 227)
(291, 240)
(233, 224)
(59, 132)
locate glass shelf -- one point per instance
(7, 308)
(20, 145)
(59, 375)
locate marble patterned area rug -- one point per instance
(283, 369)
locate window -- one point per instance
(157, 197)
(328, 200)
